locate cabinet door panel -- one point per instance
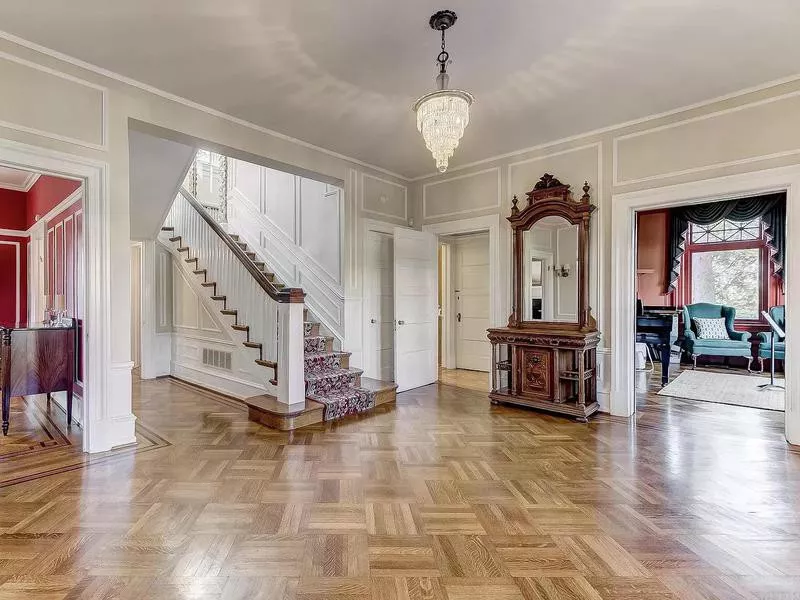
(537, 371)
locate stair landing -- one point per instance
(266, 409)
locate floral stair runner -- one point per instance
(327, 381)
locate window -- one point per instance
(726, 231)
(729, 277)
(728, 263)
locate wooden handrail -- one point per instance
(285, 295)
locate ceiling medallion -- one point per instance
(443, 115)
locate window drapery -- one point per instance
(770, 208)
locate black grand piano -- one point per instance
(657, 326)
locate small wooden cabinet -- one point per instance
(556, 373)
(546, 358)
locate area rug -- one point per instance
(725, 388)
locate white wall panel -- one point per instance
(462, 194)
(381, 198)
(757, 131)
(280, 201)
(38, 100)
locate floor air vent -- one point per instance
(217, 358)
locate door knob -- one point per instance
(458, 317)
(373, 321)
(401, 322)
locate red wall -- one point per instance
(13, 280)
(18, 212)
(13, 210)
(652, 229)
(46, 194)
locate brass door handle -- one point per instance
(401, 322)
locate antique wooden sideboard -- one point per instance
(546, 357)
(36, 360)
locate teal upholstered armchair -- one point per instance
(737, 344)
(778, 314)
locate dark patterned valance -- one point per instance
(771, 208)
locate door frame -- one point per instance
(449, 303)
(491, 223)
(623, 243)
(105, 411)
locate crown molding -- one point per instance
(25, 186)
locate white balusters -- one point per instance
(281, 343)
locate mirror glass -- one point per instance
(550, 271)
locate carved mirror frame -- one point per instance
(550, 197)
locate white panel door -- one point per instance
(379, 284)
(416, 308)
(471, 287)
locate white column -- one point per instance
(291, 365)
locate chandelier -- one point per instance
(443, 115)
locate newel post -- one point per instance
(291, 364)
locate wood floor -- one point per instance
(439, 497)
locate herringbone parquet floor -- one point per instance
(440, 497)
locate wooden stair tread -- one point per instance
(241, 327)
(270, 404)
(176, 238)
(219, 298)
(385, 391)
(377, 385)
(209, 283)
(167, 229)
(229, 311)
(252, 344)
(270, 364)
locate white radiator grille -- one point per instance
(217, 358)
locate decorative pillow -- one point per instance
(711, 329)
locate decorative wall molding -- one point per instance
(18, 286)
(102, 146)
(293, 264)
(363, 188)
(14, 233)
(617, 181)
(496, 204)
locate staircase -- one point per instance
(329, 378)
(332, 388)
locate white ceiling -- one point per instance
(17, 180)
(343, 74)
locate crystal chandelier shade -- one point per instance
(443, 115)
(442, 118)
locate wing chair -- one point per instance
(778, 314)
(737, 344)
